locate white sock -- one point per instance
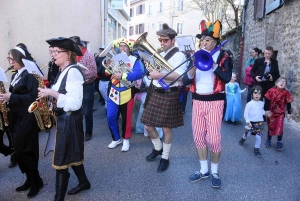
(244, 137)
(157, 144)
(257, 141)
(166, 151)
(214, 168)
(203, 167)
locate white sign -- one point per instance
(185, 43)
(121, 58)
(32, 68)
(2, 75)
(116, 4)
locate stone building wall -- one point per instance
(280, 30)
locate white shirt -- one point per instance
(254, 111)
(72, 100)
(174, 61)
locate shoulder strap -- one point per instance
(62, 87)
(171, 53)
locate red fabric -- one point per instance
(46, 83)
(278, 100)
(83, 50)
(248, 80)
(130, 105)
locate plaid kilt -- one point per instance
(162, 110)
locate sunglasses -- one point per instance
(206, 40)
(163, 40)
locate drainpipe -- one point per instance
(242, 43)
(105, 32)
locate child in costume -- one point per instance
(253, 115)
(276, 99)
(233, 100)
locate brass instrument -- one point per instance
(160, 63)
(3, 109)
(46, 65)
(41, 109)
(114, 68)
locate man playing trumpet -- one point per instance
(208, 103)
(162, 107)
(120, 98)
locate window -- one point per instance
(180, 5)
(160, 27)
(139, 29)
(149, 9)
(131, 31)
(179, 28)
(140, 9)
(131, 12)
(112, 28)
(160, 9)
(124, 32)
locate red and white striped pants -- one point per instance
(206, 124)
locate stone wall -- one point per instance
(281, 31)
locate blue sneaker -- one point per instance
(197, 176)
(215, 180)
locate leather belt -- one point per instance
(162, 90)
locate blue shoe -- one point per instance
(279, 146)
(215, 180)
(197, 176)
(268, 143)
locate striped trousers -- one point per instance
(206, 124)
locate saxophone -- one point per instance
(41, 109)
(3, 109)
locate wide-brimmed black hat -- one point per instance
(65, 43)
(77, 40)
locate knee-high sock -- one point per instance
(157, 144)
(166, 151)
(257, 141)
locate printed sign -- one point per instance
(116, 4)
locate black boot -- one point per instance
(61, 186)
(84, 183)
(26, 185)
(163, 165)
(36, 184)
(153, 155)
(13, 161)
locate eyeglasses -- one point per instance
(55, 52)
(10, 59)
(282, 81)
(165, 40)
(206, 40)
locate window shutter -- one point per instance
(143, 8)
(259, 9)
(136, 29)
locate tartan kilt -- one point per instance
(162, 110)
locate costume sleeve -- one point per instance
(246, 112)
(72, 100)
(225, 73)
(28, 98)
(136, 73)
(187, 79)
(239, 89)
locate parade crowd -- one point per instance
(136, 95)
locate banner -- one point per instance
(116, 4)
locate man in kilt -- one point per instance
(209, 103)
(162, 107)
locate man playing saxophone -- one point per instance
(120, 98)
(162, 107)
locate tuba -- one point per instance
(160, 63)
(41, 109)
(3, 109)
(114, 68)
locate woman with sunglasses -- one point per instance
(68, 92)
(24, 129)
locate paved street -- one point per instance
(116, 175)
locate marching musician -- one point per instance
(120, 98)
(208, 103)
(162, 107)
(24, 129)
(68, 91)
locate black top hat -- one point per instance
(65, 43)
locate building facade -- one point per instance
(275, 23)
(149, 15)
(97, 23)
